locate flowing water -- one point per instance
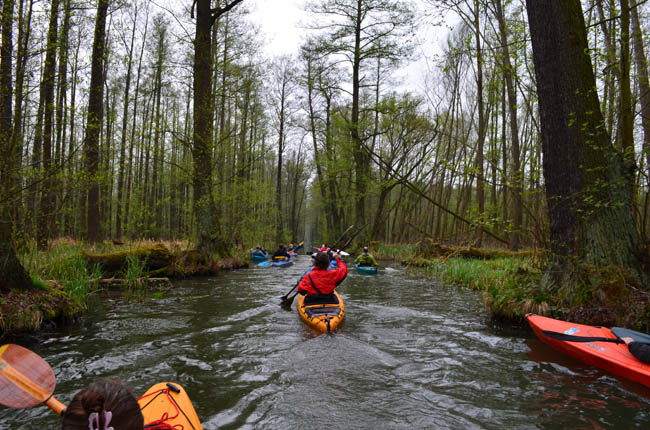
(411, 353)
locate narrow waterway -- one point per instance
(411, 353)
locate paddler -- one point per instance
(320, 283)
(366, 259)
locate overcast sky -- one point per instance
(280, 20)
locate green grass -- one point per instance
(509, 286)
(65, 265)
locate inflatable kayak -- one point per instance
(282, 263)
(366, 270)
(259, 258)
(597, 346)
(322, 314)
(167, 405)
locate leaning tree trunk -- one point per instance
(587, 183)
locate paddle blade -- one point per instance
(26, 380)
(286, 302)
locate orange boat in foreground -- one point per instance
(597, 346)
(167, 405)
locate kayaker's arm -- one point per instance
(640, 350)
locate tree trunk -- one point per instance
(94, 123)
(6, 88)
(517, 175)
(125, 120)
(482, 125)
(48, 195)
(587, 183)
(13, 272)
(202, 140)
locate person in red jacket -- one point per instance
(320, 281)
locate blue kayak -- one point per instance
(366, 270)
(259, 258)
(282, 263)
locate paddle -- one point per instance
(286, 301)
(571, 338)
(26, 380)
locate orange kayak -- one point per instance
(322, 315)
(596, 346)
(168, 403)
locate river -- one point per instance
(411, 353)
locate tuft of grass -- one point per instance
(135, 271)
(509, 286)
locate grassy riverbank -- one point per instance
(69, 272)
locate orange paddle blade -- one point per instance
(26, 379)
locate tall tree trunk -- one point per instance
(517, 175)
(360, 173)
(482, 125)
(587, 183)
(125, 121)
(6, 88)
(48, 195)
(644, 96)
(15, 146)
(202, 145)
(202, 139)
(61, 114)
(626, 122)
(94, 123)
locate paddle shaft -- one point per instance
(571, 338)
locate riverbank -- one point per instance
(68, 272)
(509, 283)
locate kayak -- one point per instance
(366, 270)
(282, 263)
(168, 404)
(323, 315)
(259, 258)
(594, 346)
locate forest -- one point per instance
(137, 120)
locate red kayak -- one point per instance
(597, 346)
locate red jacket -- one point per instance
(324, 280)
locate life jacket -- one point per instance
(324, 281)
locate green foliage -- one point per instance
(135, 286)
(509, 285)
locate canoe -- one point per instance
(592, 346)
(323, 315)
(282, 263)
(168, 403)
(259, 258)
(366, 270)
